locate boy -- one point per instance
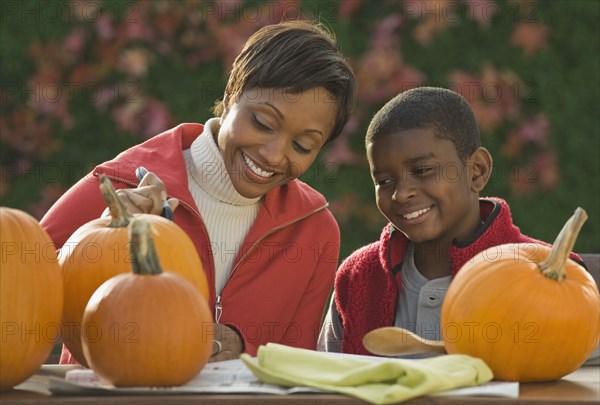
(428, 166)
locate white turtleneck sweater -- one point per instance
(227, 215)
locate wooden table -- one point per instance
(580, 387)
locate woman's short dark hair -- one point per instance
(446, 112)
(296, 56)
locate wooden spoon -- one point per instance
(392, 341)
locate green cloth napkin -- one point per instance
(378, 382)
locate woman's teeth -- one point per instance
(415, 214)
(257, 170)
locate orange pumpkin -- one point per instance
(527, 310)
(98, 251)
(148, 328)
(31, 294)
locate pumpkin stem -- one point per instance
(144, 259)
(554, 265)
(120, 217)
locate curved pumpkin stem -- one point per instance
(120, 217)
(144, 259)
(554, 265)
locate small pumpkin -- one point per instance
(527, 310)
(149, 327)
(31, 294)
(98, 250)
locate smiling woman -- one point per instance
(233, 188)
(269, 137)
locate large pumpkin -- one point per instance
(99, 250)
(530, 312)
(148, 327)
(31, 296)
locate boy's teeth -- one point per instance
(257, 170)
(415, 214)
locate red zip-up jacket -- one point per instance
(284, 270)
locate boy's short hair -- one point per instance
(443, 110)
(295, 55)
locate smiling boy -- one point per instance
(428, 168)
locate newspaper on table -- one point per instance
(233, 377)
(225, 377)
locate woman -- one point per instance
(268, 243)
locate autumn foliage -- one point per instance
(83, 80)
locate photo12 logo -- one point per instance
(55, 92)
(52, 11)
(269, 10)
(491, 332)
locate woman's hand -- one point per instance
(228, 344)
(147, 197)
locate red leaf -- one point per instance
(546, 164)
(348, 8)
(343, 207)
(134, 61)
(482, 11)
(530, 36)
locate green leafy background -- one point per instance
(83, 80)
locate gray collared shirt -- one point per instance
(419, 302)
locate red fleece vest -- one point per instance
(368, 282)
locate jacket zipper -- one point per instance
(219, 300)
(218, 309)
(397, 299)
(395, 277)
